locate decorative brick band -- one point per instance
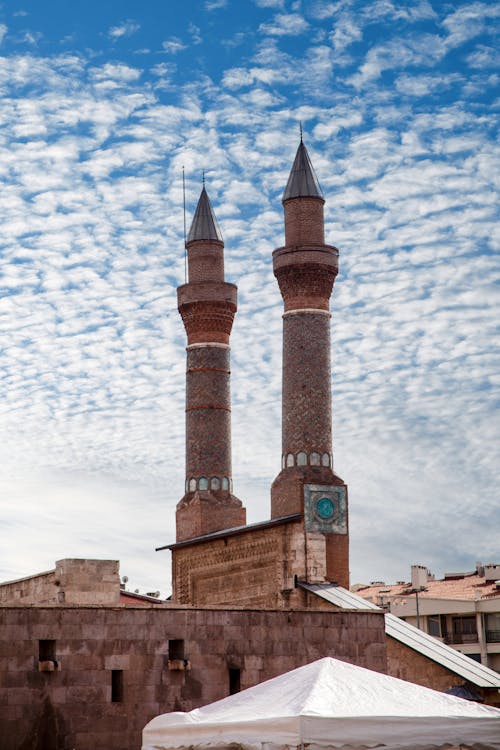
(208, 406)
(300, 310)
(208, 369)
(302, 458)
(205, 344)
(225, 484)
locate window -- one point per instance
(234, 680)
(215, 483)
(225, 483)
(315, 459)
(464, 629)
(301, 459)
(203, 483)
(116, 685)
(325, 459)
(47, 650)
(176, 649)
(493, 627)
(474, 657)
(433, 626)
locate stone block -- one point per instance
(117, 661)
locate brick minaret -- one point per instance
(306, 269)
(207, 305)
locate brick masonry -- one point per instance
(208, 412)
(207, 305)
(256, 567)
(304, 221)
(72, 707)
(305, 269)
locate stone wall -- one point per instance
(406, 664)
(110, 671)
(73, 581)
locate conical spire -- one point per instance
(302, 182)
(204, 225)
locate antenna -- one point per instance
(184, 210)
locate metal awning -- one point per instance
(410, 636)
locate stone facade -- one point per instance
(117, 668)
(407, 664)
(254, 566)
(73, 581)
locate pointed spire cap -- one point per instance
(204, 225)
(302, 182)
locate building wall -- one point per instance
(73, 581)
(72, 707)
(406, 664)
(255, 568)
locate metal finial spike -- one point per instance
(203, 178)
(300, 126)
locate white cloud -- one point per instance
(195, 32)
(346, 31)
(285, 24)
(269, 3)
(3, 31)
(92, 251)
(32, 37)
(125, 29)
(484, 57)
(173, 46)
(468, 21)
(417, 11)
(215, 4)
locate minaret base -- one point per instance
(287, 490)
(204, 511)
(321, 496)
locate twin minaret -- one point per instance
(207, 304)
(305, 268)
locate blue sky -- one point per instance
(101, 106)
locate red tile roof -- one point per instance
(469, 586)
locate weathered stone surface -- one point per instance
(73, 581)
(73, 708)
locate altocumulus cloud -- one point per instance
(395, 104)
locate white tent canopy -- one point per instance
(329, 704)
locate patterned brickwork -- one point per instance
(257, 567)
(305, 269)
(207, 320)
(250, 569)
(204, 511)
(306, 404)
(208, 413)
(207, 305)
(205, 261)
(304, 224)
